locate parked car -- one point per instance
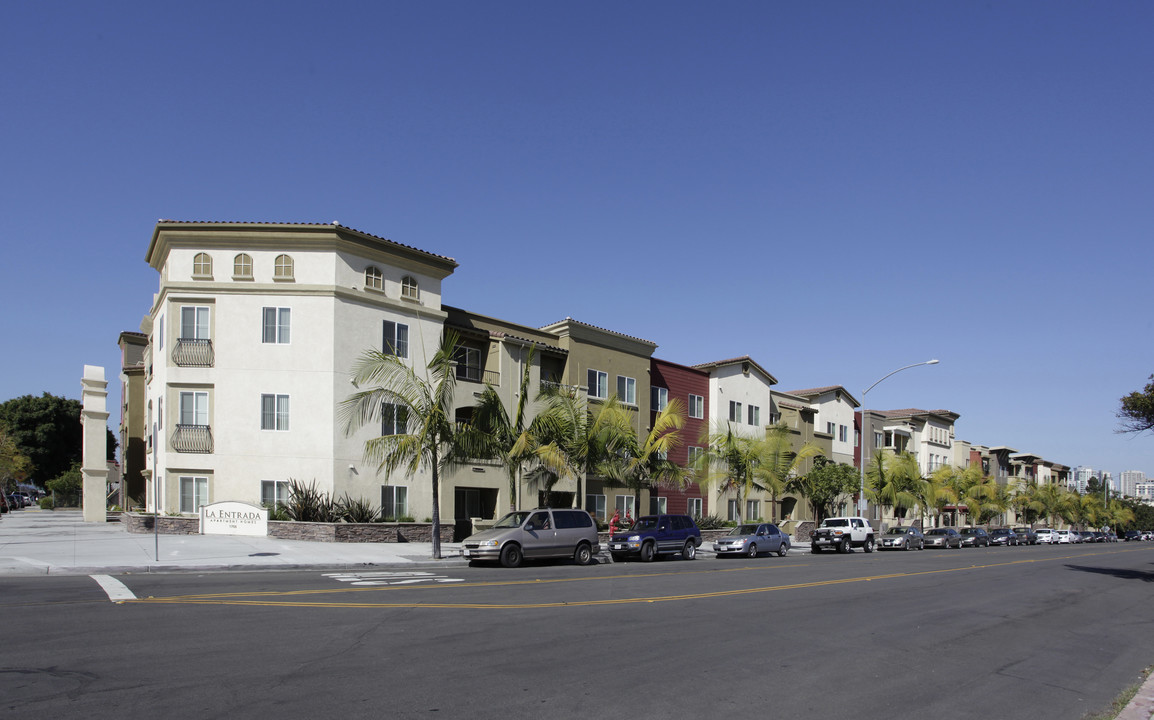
(1088, 536)
(1132, 535)
(1026, 536)
(1047, 536)
(753, 539)
(902, 537)
(540, 533)
(654, 535)
(1063, 537)
(975, 537)
(1004, 536)
(943, 538)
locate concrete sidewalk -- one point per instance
(39, 542)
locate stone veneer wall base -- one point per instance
(309, 531)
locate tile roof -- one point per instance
(596, 327)
(735, 361)
(165, 221)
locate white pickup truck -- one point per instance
(843, 534)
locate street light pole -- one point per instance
(861, 501)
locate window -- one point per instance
(282, 268)
(373, 278)
(879, 440)
(624, 505)
(752, 510)
(194, 322)
(394, 502)
(695, 454)
(193, 493)
(394, 419)
(274, 492)
(275, 325)
(194, 408)
(658, 505)
(842, 433)
(627, 390)
(598, 383)
(831, 428)
(160, 335)
(754, 415)
(202, 266)
(733, 510)
(274, 412)
(659, 398)
(734, 411)
(596, 505)
(693, 507)
(242, 267)
(160, 413)
(468, 363)
(409, 289)
(696, 406)
(396, 340)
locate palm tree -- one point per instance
(573, 440)
(985, 498)
(780, 463)
(642, 464)
(496, 434)
(420, 403)
(895, 481)
(1048, 501)
(937, 494)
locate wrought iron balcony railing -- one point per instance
(192, 439)
(475, 374)
(193, 352)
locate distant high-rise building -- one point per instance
(1081, 478)
(1129, 482)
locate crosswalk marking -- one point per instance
(391, 578)
(116, 590)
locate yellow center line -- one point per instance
(248, 598)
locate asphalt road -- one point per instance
(1039, 632)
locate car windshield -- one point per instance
(744, 530)
(645, 523)
(512, 520)
(897, 531)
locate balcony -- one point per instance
(192, 439)
(470, 373)
(193, 352)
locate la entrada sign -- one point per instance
(233, 518)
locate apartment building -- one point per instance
(252, 334)
(689, 386)
(834, 407)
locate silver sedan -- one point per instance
(752, 539)
(902, 538)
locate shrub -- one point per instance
(67, 487)
(308, 504)
(711, 522)
(357, 510)
(46, 503)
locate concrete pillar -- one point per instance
(94, 466)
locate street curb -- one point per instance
(1141, 707)
(65, 570)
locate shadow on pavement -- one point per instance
(1121, 573)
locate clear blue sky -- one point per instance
(834, 188)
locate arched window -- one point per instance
(202, 265)
(373, 278)
(409, 287)
(242, 266)
(283, 268)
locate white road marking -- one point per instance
(116, 590)
(391, 578)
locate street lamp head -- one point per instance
(932, 362)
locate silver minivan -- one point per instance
(540, 533)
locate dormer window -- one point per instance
(409, 289)
(202, 266)
(283, 268)
(242, 267)
(374, 280)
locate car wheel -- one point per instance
(511, 556)
(843, 546)
(905, 544)
(752, 551)
(815, 550)
(870, 544)
(689, 550)
(648, 552)
(782, 549)
(583, 555)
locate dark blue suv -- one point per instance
(653, 535)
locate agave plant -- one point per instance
(357, 510)
(308, 504)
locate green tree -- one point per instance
(14, 465)
(424, 401)
(1049, 501)
(574, 438)
(67, 488)
(985, 499)
(937, 493)
(780, 463)
(495, 433)
(48, 432)
(894, 481)
(824, 484)
(1137, 410)
(643, 463)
